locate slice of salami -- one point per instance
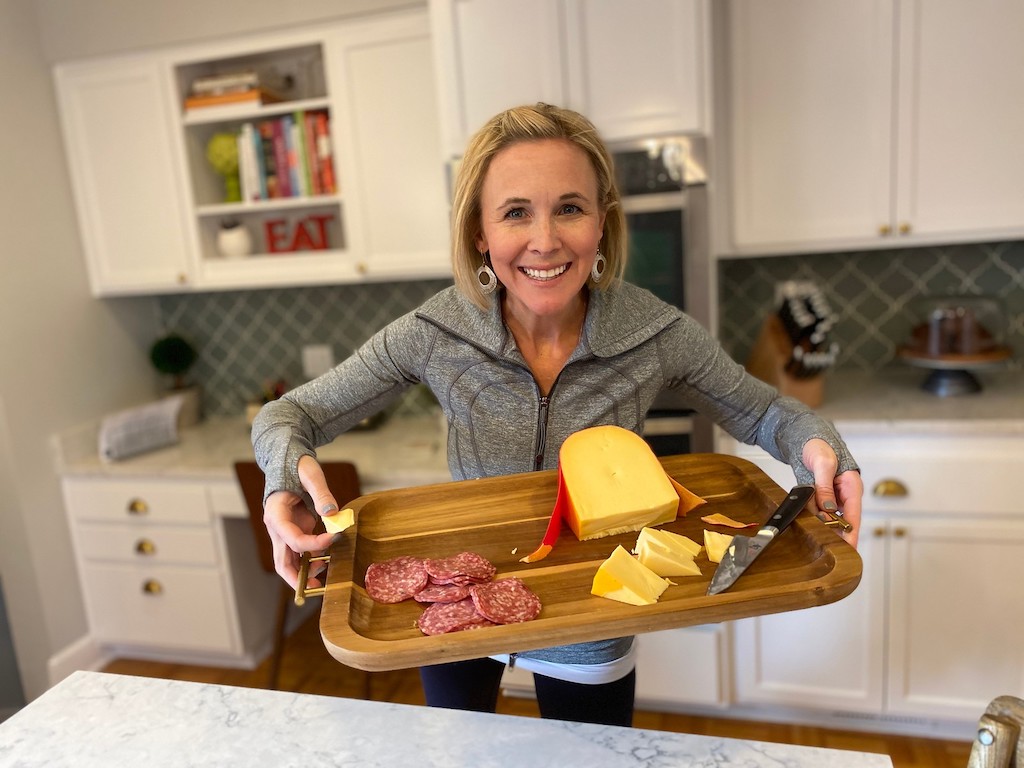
(507, 601)
(441, 618)
(463, 568)
(442, 593)
(395, 580)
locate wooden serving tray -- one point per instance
(504, 518)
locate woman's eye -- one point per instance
(515, 213)
(570, 208)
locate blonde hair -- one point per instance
(531, 123)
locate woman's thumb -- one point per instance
(311, 475)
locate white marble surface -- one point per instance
(95, 719)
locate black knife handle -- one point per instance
(797, 499)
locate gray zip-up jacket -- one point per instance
(632, 346)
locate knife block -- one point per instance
(767, 361)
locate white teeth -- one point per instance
(545, 274)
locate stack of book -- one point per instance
(239, 88)
(287, 156)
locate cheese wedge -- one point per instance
(339, 521)
(622, 577)
(614, 482)
(716, 544)
(667, 553)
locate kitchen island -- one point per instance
(96, 719)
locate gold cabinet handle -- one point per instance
(899, 533)
(138, 507)
(152, 587)
(361, 268)
(182, 278)
(905, 228)
(889, 487)
(884, 230)
(879, 532)
(145, 547)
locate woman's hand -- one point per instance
(834, 493)
(290, 525)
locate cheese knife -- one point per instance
(744, 550)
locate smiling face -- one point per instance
(542, 224)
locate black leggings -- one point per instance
(475, 684)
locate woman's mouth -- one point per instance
(544, 274)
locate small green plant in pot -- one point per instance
(174, 356)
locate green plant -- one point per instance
(174, 356)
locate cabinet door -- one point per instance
(955, 615)
(637, 74)
(961, 117)
(117, 130)
(679, 667)
(396, 164)
(810, 104)
(493, 55)
(831, 656)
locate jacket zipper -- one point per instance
(542, 433)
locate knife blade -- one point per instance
(744, 550)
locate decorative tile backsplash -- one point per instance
(248, 338)
(873, 294)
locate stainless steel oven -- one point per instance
(664, 196)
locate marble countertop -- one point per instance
(894, 399)
(409, 451)
(403, 451)
(97, 719)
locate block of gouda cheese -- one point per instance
(622, 577)
(614, 482)
(667, 553)
(339, 521)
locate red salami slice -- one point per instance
(508, 601)
(442, 593)
(441, 618)
(395, 580)
(463, 568)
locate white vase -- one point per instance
(234, 241)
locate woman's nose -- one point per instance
(544, 236)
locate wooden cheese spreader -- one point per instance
(503, 518)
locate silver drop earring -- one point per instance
(597, 270)
(485, 276)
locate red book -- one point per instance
(324, 154)
(312, 173)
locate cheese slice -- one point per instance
(339, 521)
(667, 553)
(716, 544)
(622, 577)
(614, 482)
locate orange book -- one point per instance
(253, 96)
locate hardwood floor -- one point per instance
(308, 668)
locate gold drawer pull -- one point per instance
(889, 487)
(145, 547)
(138, 507)
(899, 533)
(905, 228)
(152, 587)
(884, 230)
(879, 532)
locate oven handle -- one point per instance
(654, 203)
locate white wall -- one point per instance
(65, 358)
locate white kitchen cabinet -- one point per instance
(873, 124)
(155, 195)
(169, 569)
(126, 177)
(634, 70)
(924, 635)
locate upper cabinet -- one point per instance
(264, 161)
(873, 124)
(635, 70)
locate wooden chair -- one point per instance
(999, 742)
(343, 480)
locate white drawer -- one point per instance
(137, 500)
(186, 607)
(146, 545)
(226, 499)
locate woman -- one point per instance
(538, 339)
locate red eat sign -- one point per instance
(309, 234)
